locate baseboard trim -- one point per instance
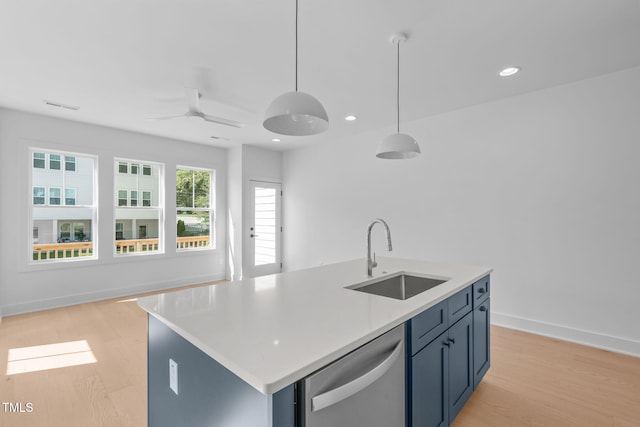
(51, 303)
(578, 336)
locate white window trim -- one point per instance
(49, 160)
(33, 159)
(211, 209)
(160, 206)
(33, 196)
(65, 262)
(75, 196)
(59, 196)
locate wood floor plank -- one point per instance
(534, 381)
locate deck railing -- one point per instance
(80, 249)
(62, 250)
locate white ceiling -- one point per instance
(124, 61)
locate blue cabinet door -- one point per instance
(481, 349)
(428, 375)
(460, 364)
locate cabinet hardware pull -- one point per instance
(446, 343)
(483, 308)
(451, 340)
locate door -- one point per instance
(265, 229)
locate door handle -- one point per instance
(338, 394)
(254, 235)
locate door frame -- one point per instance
(249, 270)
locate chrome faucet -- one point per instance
(372, 263)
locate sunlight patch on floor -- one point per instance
(50, 356)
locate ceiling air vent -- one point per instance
(58, 104)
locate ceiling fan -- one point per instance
(193, 97)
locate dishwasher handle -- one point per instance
(338, 394)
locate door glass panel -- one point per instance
(265, 226)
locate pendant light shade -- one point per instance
(398, 145)
(296, 113)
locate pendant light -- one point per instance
(398, 145)
(296, 113)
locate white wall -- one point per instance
(234, 212)
(25, 287)
(542, 187)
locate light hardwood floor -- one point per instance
(533, 380)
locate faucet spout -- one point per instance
(372, 263)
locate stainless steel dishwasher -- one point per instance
(365, 388)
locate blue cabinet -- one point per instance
(448, 354)
(441, 376)
(460, 364)
(481, 329)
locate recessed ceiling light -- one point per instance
(509, 71)
(350, 118)
(275, 140)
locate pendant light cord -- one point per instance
(397, 88)
(296, 45)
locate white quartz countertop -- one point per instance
(274, 330)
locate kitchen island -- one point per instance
(260, 336)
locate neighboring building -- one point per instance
(136, 188)
(62, 197)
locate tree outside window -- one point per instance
(193, 207)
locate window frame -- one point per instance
(88, 209)
(211, 209)
(124, 185)
(43, 159)
(75, 196)
(51, 160)
(49, 196)
(68, 162)
(33, 196)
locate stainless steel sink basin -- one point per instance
(400, 287)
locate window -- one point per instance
(54, 196)
(54, 162)
(122, 197)
(123, 167)
(69, 196)
(69, 163)
(38, 195)
(38, 160)
(65, 232)
(193, 208)
(119, 231)
(138, 224)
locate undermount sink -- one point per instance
(400, 287)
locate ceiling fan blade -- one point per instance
(222, 121)
(193, 97)
(166, 117)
